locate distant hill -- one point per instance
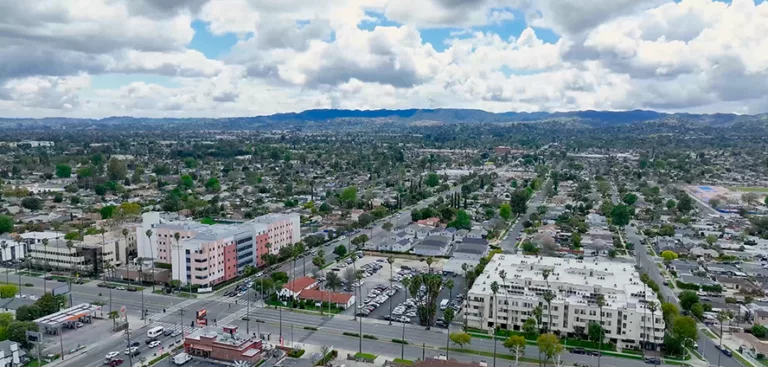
(329, 118)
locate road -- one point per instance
(707, 347)
(291, 326)
(509, 243)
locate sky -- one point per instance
(222, 58)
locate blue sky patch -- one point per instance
(210, 45)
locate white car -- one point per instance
(120, 288)
(130, 350)
(154, 344)
(111, 355)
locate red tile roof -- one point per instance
(299, 284)
(318, 295)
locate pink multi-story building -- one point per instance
(210, 254)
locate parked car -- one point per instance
(150, 341)
(578, 351)
(168, 332)
(111, 355)
(727, 352)
(115, 362)
(652, 360)
(154, 344)
(131, 350)
(593, 353)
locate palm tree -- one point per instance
(177, 236)
(45, 256)
(600, 300)
(430, 261)
(113, 315)
(448, 317)
(537, 313)
(467, 271)
(5, 246)
(125, 235)
(653, 307)
(294, 256)
(503, 276)
(406, 287)
(449, 284)
(721, 317)
(301, 249)
(494, 290)
(359, 277)
(390, 261)
(545, 273)
(548, 297)
(151, 253)
(107, 267)
(140, 260)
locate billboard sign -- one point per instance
(34, 336)
(64, 289)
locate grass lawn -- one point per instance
(490, 354)
(33, 363)
(763, 361)
(30, 273)
(307, 307)
(407, 362)
(749, 189)
(366, 356)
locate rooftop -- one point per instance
(572, 280)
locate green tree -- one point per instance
(213, 185)
(684, 329)
(8, 291)
(595, 331)
(462, 221)
(348, 196)
(516, 344)
(684, 203)
(688, 299)
(63, 170)
(671, 204)
(107, 211)
(28, 313)
(187, 182)
(669, 311)
(116, 170)
(460, 338)
(32, 203)
(530, 329)
(17, 331)
(620, 215)
(433, 180)
(518, 202)
(387, 226)
(668, 256)
(697, 309)
(549, 346)
(629, 198)
(6, 224)
(85, 172)
(505, 211)
(759, 331)
(711, 239)
(48, 304)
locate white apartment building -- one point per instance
(575, 283)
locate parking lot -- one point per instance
(376, 291)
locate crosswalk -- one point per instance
(159, 314)
(186, 328)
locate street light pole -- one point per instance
(248, 311)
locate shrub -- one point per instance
(347, 333)
(327, 358)
(310, 328)
(296, 353)
(29, 285)
(759, 331)
(399, 341)
(369, 336)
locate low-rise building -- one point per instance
(11, 250)
(340, 300)
(11, 354)
(296, 286)
(433, 246)
(224, 344)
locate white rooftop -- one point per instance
(572, 280)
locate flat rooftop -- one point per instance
(573, 281)
(70, 314)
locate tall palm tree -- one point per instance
(600, 300)
(70, 245)
(448, 317)
(151, 253)
(140, 260)
(177, 236)
(2, 255)
(301, 249)
(653, 307)
(390, 261)
(359, 277)
(503, 276)
(125, 235)
(548, 297)
(113, 315)
(406, 287)
(545, 273)
(45, 256)
(494, 290)
(722, 316)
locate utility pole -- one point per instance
(248, 311)
(128, 332)
(181, 321)
(61, 340)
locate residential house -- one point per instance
(294, 288)
(477, 233)
(701, 252)
(11, 354)
(433, 246)
(340, 300)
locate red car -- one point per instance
(115, 362)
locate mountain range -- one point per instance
(327, 118)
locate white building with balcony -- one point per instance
(575, 283)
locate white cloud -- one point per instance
(697, 55)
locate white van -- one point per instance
(444, 304)
(181, 358)
(155, 332)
